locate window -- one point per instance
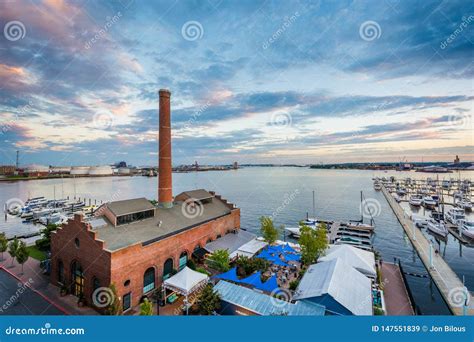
(77, 276)
(149, 280)
(135, 217)
(127, 301)
(95, 283)
(60, 272)
(183, 260)
(76, 242)
(218, 236)
(126, 283)
(167, 268)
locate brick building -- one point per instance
(134, 244)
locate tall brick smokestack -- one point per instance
(165, 187)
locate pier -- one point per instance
(397, 299)
(448, 283)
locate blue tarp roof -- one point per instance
(270, 285)
(253, 279)
(287, 248)
(229, 275)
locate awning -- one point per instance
(253, 279)
(229, 275)
(186, 281)
(199, 253)
(270, 285)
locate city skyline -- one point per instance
(254, 82)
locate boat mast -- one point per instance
(314, 207)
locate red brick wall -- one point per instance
(95, 261)
(129, 263)
(155, 255)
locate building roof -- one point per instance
(263, 304)
(199, 194)
(119, 208)
(165, 223)
(363, 261)
(342, 282)
(231, 242)
(249, 249)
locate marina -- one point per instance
(445, 279)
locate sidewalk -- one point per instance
(36, 280)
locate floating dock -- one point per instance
(448, 283)
(397, 298)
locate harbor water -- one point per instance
(285, 193)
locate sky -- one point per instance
(251, 81)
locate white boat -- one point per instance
(437, 227)
(464, 204)
(419, 221)
(446, 184)
(377, 186)
(467, 229)
(455, 216)
(359, 225)
(55, 218)
(429, 202)
(401, 192)
(416, 200)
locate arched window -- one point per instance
(183, 260)
(149, 280)
(167, 268)
(60, 272)
(95, 284)
(77, 276)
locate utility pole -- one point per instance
(17, 159)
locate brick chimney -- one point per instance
(165, 183)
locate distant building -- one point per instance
(60, 170)
(457, 160)
(7, 170)
(236, 165)
(120, 164)
(36, 170)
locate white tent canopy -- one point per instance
(186, 281)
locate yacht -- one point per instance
(467, 229)
(419, 221)
(437, 227)
(377, 186)
(436, 199)
(416, 200)
(455, 216)
(360, 225)
(446, 184)
(401, 192)
(429, 202)
(464, 204)
(54, 218)
(437, 216)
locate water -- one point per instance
(285, 194)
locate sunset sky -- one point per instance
(251, 81)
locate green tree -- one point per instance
(3, 243)
(313, 243)
(219, 260)
(208, 300)
(22, 254)
(268, 229)
(44, 243)
(114, 307)
(146, 308)
(13, 248)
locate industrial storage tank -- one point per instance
(124, 171)
(36, 170)
(80, 170)
(100, 171)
